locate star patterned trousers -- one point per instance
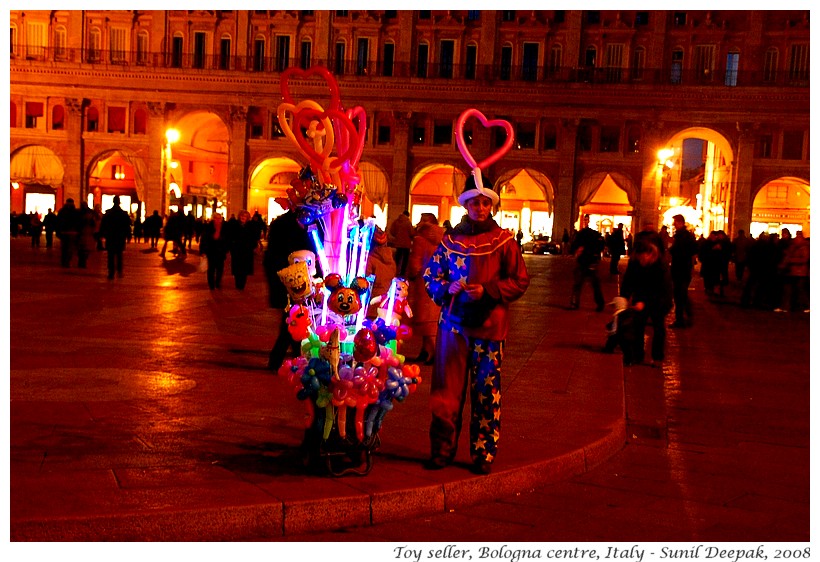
(463, 362)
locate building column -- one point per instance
(564, 202)
(742, 202)
(646, 211)
(74, 181)
(398, 197)
(156, 196)
(237, 187)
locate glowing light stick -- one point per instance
(319, 249)
(391, 299)
(366, 240)
(354, 250)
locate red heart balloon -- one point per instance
(487, 123)
(298, 73)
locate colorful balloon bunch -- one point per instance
(316, 132)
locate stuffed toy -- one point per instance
(400, 289)
(345, 300)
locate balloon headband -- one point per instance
(476, 167)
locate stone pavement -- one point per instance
(141, 409)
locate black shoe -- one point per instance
(421, 358)
(481, 467)
(677, 325)
(430, 361)
(436, 463)
(599, 308)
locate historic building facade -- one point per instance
(629, 116)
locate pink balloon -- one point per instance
(487, 123)
(298, 73)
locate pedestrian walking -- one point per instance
(740, 253)
(214, 246)
(50, 226)
(475, 273)
(616, 247)
(115, 228)
(243, 238)
(35, 229)
(285, 236)
(425, 311)
(795, 268)
(682, 252)
(587, 247)
(68, 231)
(648, 286)
(400, 237)
(153, 229)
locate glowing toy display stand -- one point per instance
(349, 373)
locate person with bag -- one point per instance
(474, 274)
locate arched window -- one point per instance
(505, 69)
(58, 118)
(770, 65)
(94, 45)
(259, 53)
(422, 59)
(676, 69)
(388, 58)
(638, 63)
(13, 115)
(225, 52)
(142, 47)
(140, 122)
(92, 119)
(471, 58)
(60, 43)
(556, 60)
(732, 64)
(305, 53)
(13, 38)
(177, 44)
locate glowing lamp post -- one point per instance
(168, 185)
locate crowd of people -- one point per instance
(461, 280)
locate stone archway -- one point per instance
(434, 189)
(695, 169)
(269, 181)
(527, 202)
(117, 172)
(782, 202)
(36, 178)
(608, 198)
(195, 162)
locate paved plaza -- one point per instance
(141, 409)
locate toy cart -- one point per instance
(338, 455)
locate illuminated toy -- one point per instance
(297, 281)
(393, 305)
(299, 322)
(345, 300)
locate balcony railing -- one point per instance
(496, 73)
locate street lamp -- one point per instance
(171, 136)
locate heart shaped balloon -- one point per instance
(317, 158)
(321, 72)
(345, 139)
(487, 123)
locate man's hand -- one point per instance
(474, 291)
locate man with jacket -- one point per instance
(683, 251)
(587, 247)
(115, 227)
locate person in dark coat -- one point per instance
(68, 231)
(115, 228)
(616, 247)
(243, 238)
(50, 225)
(35, 229)
(214, 244)
(683, 250)
(648, 285)
(285, 235)
(153, 228)
(587, 247)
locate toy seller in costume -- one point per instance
(474, 274)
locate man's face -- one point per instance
(479, 208)
(679, 224)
